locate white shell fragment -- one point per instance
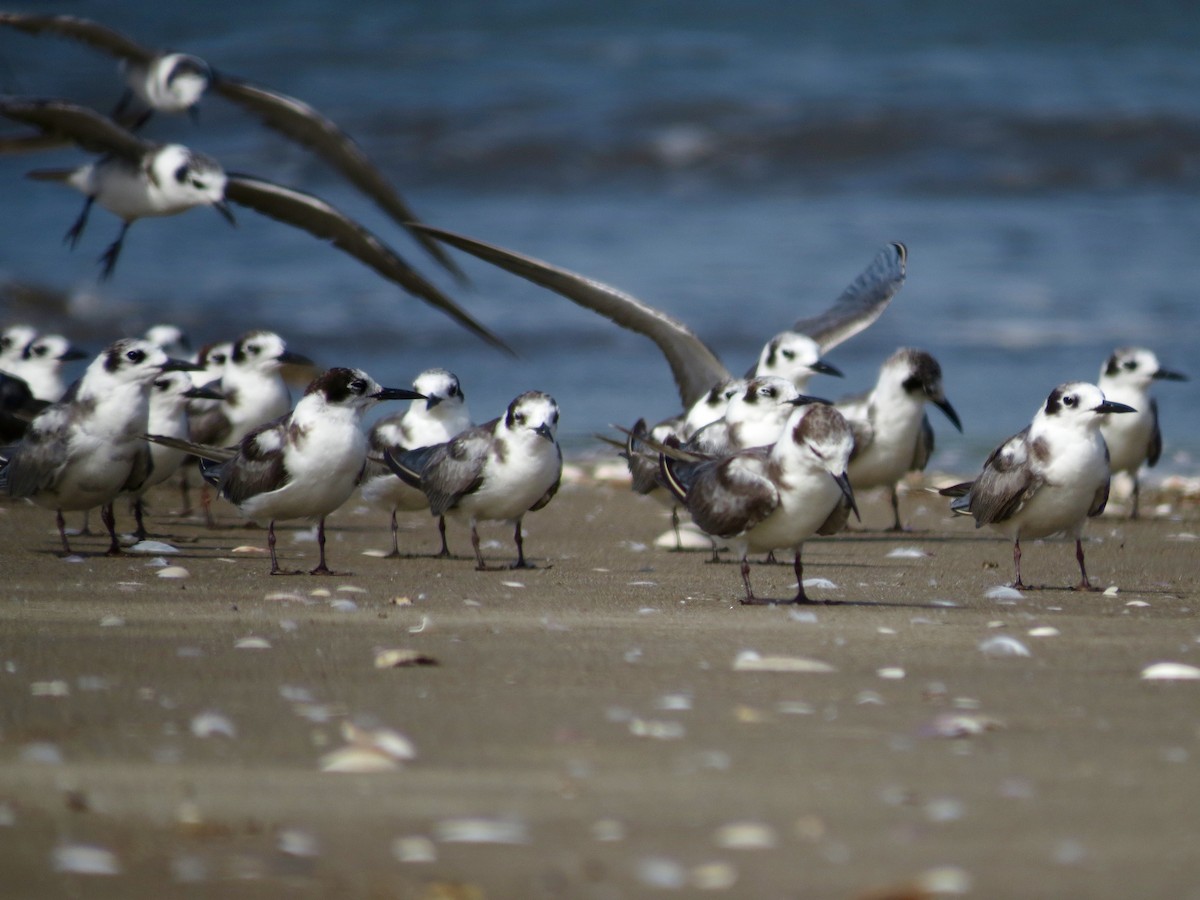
(961, 725)
(751, 661)
(357, 759)
(178, 572)
(1044, 631)
(209, 724)
(745, 836)
(1171, 671)
(481, 831)
(85, 859)
(385, 740)
(252, 643)
(907, 553)
(1003, 645)
(1004, 592)
(396, 658)
(151, 548)
(414, 849)
(891, 673)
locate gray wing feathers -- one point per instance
(861, 303)
(1154, 451)
(727, 498)
(694, 366)
(92, 131)
(1005, 483)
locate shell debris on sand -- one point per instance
(752, 661)
(478, 830)
(999, 645)
(1171, 671)
(211, 723)
(398, 658)
(85, 859)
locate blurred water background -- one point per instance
(735, 164)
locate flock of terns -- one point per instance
(757, 463)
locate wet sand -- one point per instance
(583, 730)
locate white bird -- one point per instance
(771, 498)
(440, 417)
(13, 341)
(136, 179)
(173, 340)
(170, 395)
(497, 471)
(305, 464)
(85, 451)
(1048, 478)
(41, 363)
(1133, 440)
(172, 82)
(892, 434)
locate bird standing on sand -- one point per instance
(1049, 478)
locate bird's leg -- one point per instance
(206, 505)
(798, 568)
(109, 257)
(675, 528)
(444, 553)
(185, 497)
(520, 541)
(139, 517)
(62, 531)
(749, 598)
(896, 524)
(1017, 564)
(321, 568)
(479, 563)
(1136, 492)
(1084, 584)
(71, 238)
(271, 546)
(395, 540)
(110, 522)
(716, 553)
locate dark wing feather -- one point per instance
(727, 497)
(85, 30)
(85, 127)
(317, 217)
(36, 463)
(924, 447)
(1005, 483)
(694, 366)
(862, 302)
(553, 489)
(1154, 451)
(258, 466)
(1100, 498)
(407, 463)
(455, 468)
(300, 122)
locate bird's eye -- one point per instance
(789, 354)
(253, 349)
(519, 418)
(1069, 400)
(453, 392)
(40, 350)
(769, 392)
(135, 356)
(181, 173)
(1130, 364)
(358, 386)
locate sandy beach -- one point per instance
(611, 724)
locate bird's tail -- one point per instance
(962, 497)
(408, 464)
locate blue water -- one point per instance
(733, 163)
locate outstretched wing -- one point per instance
(862, 302)
(695, 367)
(103, 38)
(303, 124)
(317, 217)
(87, 128)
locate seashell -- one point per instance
(401, 601)
(85, 859)
(112, 622)
(297, 842)
(1003, 592)
(377, 553)
(252, 643)
(482, 831)
(50, 689)
(751, 661)
(285, 596)
(385, 740)
(656, 729)
(661, 873)
(960, 725)
(351, 589)
(395, 659)
(321, 593)
(608, 830)
(414, 849)
(152, 547)
(1003, 645)
(745, 836)
(908, 553)
(173, 572)
(892, 673)
(690, 538)
(513, 584)
(1044, 631)
(248, 550)
(357, 759)
(42, 753)
(1171, 671)
(1111, 591)
(210, 723)
(1137, 603)
(822, 583)
(342, 604)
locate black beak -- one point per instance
(1109, 406)
(397, 394)
(431, 402)
(843, 481)
(222, 207)
(287, 357)
(805, 400)
(181, 365)
(204, 392)
(825, 368)
(944, 405)
(1169, 375)
(544, 431)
